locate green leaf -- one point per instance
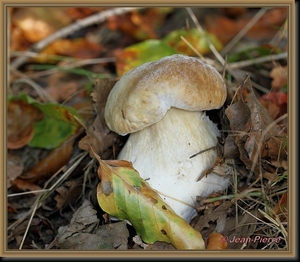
(124, 194)
(57, 125)
(195, 38)
(252, 53)
(154, 49)
(138, 54)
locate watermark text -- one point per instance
(254, 239)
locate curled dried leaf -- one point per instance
(20, 133)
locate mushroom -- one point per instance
(161, 106)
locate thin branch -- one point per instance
(39, 90)
(281, 34)
(28, 192)
(258, 60)
(210, 45)
(67, 30)
(244, 31)
(202, 151)
(193, 48)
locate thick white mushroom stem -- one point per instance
(161, 154)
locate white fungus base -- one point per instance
(161, 154)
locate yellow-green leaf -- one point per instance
(57, 124)
(140, 53)
(124, 194)
(195, 38)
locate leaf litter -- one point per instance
(62, 211)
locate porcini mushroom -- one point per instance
(161, 105)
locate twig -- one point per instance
(28, 192)
(232, 66)
(65, 31)
(202, 151)
(257, 60)
(211, 61)
(210, 45)
(242, 32)
(39, 90)
(282, 33)
(28, 225)
(212, 48)
(193, 48)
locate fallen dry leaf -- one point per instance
(216, 215)
(98, 134)
(77, 13)
(20, 133)
(264, 131)
(20, 184)
(230, 149)
(62, 86)
(77, 48)
(256, 135)
(216, 241)
(266, 27)
(18, 42)
(281, 208)
(10, 208)
(279, 75)
(55, 160)
(234, 12)
(273, 109)
(276, 104)
(39, 226)
(37, 23)
(222, 27)
(140, 25)
(83, 232)
(130, 24)
(14, 168)
(67, 193)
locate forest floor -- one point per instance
(70, 57)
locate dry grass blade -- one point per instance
(244, 31)
(211, 46)
(258, 60)
(42, 197)
(72, 64)
(26, 193)
(194, 49)
(39, 90)
(277, 223)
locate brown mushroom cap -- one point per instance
(143, 95)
